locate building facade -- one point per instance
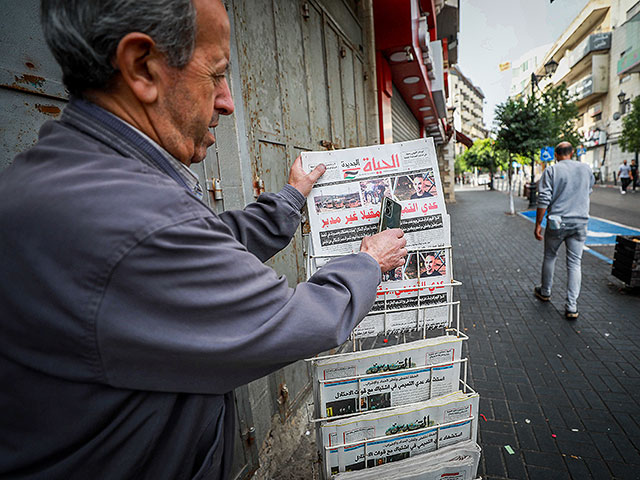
(522, 69)
(467, 102)
(598, 59)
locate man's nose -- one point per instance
(224, 101)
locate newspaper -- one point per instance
(447, 408)
(457, 462)
(344, 206)
(454, 407)
(416, 289)
(399, 433)
(387, 377)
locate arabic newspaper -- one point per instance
(447, 408)
(412, 420)
(458, 462)
(344, 206)
(387, 377)
(397, 448)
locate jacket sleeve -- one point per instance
(266, 226)
(545, 188)
(189, 309)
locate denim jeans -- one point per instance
(573, 236)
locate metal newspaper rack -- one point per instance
(452, 328)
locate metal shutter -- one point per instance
(404, 125)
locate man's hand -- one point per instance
(537, 232)
(300, 180)
(387, 248)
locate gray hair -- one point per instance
(83, 35)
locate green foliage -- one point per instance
(563, 113)
(483, 154)
(523, 126)
(630, 139)
(526, 125)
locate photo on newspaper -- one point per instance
(456, 462)
(374, 379)
(388, 427)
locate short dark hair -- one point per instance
(83, 35)
(564, 150)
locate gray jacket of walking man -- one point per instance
(129, 310)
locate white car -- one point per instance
(484, 179)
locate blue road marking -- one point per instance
(600, 232)
(599, 255)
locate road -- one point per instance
(608, 203)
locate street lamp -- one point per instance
(549, 69)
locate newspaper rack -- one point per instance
(407, 370)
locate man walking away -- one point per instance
(634, 174)
(624, 174)
(564, 191)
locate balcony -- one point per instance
(595, 83)
(596, 42)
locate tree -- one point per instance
(563, 113)
(483, 154)
(526, 125)
(630, 138)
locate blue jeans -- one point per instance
(573, 236)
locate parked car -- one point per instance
(484, 179)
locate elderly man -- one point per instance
(564, 191)
(129, 310)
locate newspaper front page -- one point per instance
(344, 206)
(458, 462)
(454, 408)
(388, 377)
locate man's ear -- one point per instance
(141, 65)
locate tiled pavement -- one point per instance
(565, 396)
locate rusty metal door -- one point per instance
(301, 76)
(31, 90)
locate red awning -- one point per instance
(463, 139)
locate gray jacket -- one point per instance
(129, 310)
(564, 190)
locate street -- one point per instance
(561, 395)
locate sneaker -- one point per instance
(623, 192)
(537, 291)
(571, 315)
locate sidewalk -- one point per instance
(563, 395)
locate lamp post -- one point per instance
(549, 69)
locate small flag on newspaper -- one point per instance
(504, 66)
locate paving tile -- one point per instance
(539, 473)
(598, 468)
(493, 460)
(578, 468)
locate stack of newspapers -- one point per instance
(400, 397)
